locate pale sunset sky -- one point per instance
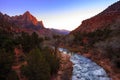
(59, 14)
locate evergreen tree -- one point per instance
(6, 61)
(37, 68)
(53, 61)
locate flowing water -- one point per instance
(84, 68)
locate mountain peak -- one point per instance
(27, 20)
(27, 13)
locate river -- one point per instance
(84, 68)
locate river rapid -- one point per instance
(84, 68)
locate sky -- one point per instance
(59, 14)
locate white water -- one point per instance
(84, 68)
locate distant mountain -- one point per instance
(64, 32)
(6, 25)
(27, 23)
(102, 20)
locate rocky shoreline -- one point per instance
(80, 67)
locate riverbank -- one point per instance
(65, 70)
(84, 68)
(98, 57)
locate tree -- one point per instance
(12, 76)
(52, 60)
(37, 68)
(35, 40)
(29, 42)
(6, 61)
(56, 43)
(6, 41)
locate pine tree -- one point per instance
(37, 68)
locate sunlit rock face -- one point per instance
(85, 69)
(27, 20)
(26, 23)
(109, 16)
